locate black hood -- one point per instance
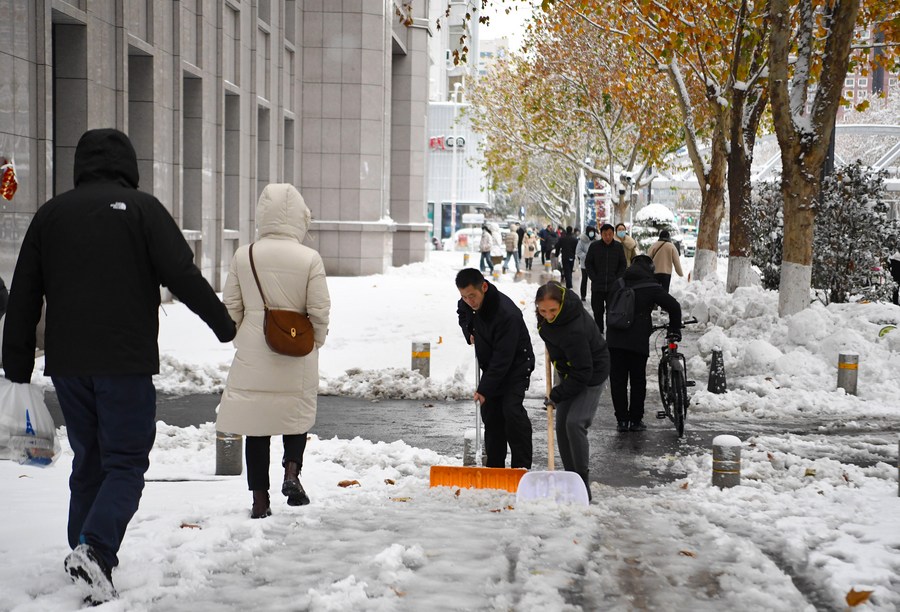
(106, 155)
(570, 309)
(638, 272)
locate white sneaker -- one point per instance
(86, 567)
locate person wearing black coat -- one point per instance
(605, 263)
(629, 348)
(578, 351)
(98, 254)
(520, 232)
(494, 324)
(565, 250)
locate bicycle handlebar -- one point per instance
(684, 323)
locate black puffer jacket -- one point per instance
(576, 347)
(604, 264)
(566, 246)
(99, 253)
(502, 343)
(637, 337)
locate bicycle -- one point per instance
(673, 382)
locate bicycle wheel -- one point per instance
(679, 400)
(663, 375)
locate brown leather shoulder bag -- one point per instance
(287, 332)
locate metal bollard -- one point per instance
(229, 454)
(848, 368)
(726, 471)
(421, 358)
(496, 275)
(465, 259)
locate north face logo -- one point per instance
(117, 205)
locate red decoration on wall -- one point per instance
(8, 183)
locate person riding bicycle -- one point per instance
(629, 348)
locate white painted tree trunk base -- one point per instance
(705, 264)
(793, 290)
(740, 274)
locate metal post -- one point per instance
(716, 382)
(848, 368)
(465, 260)
(421, 358)
(726, 464)
(229, 454)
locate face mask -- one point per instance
(591, 234)
(620, 234)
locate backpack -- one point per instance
(620, 309)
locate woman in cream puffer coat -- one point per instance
(266, 393)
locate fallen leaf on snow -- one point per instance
(400, 499)
(349, 483)
(687, 553)
(684, 486)
(388, 481)
(810, 472)
(190, 526)
(854, 597)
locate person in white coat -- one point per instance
(267, 393)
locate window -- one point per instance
(848, 82)
(862, 94)
(848, 93)
(892, 82)
(861, 82)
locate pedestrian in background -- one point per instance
(584, 242)
(548, 239)
(266, 393)
(565, 250)
(629, 348)
(605, 263)
(895, 273)
(487, 241)
(520, 232)
(579, 353)
(665, 259)
(530, 248)
(628, 243)
(493, 323)
(511, 243)
(98, 254)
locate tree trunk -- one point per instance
(712, 210)
(800, 188)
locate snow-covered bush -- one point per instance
(853, 237)
(766, 213)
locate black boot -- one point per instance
(260, 507)
(292, 489)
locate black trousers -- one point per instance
(257, 451)
(628, 366)
(506, 422)
(584, 282)
(567, 267)
(111, 422)
(664, 279)
(599, 301)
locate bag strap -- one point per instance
(256, 278)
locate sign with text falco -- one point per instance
(446, 143)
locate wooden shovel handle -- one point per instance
(548, 374)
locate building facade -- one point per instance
(221, 97)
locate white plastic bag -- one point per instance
(27, 432)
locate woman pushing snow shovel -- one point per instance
(578, 350)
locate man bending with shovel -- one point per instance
(494, 323)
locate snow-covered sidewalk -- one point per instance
(805, 527)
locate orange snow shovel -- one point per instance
(476, 477)
(561, 487)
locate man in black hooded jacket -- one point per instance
(494, 323)
(629, 348)
(98, 254)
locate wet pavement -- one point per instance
(617, 459)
